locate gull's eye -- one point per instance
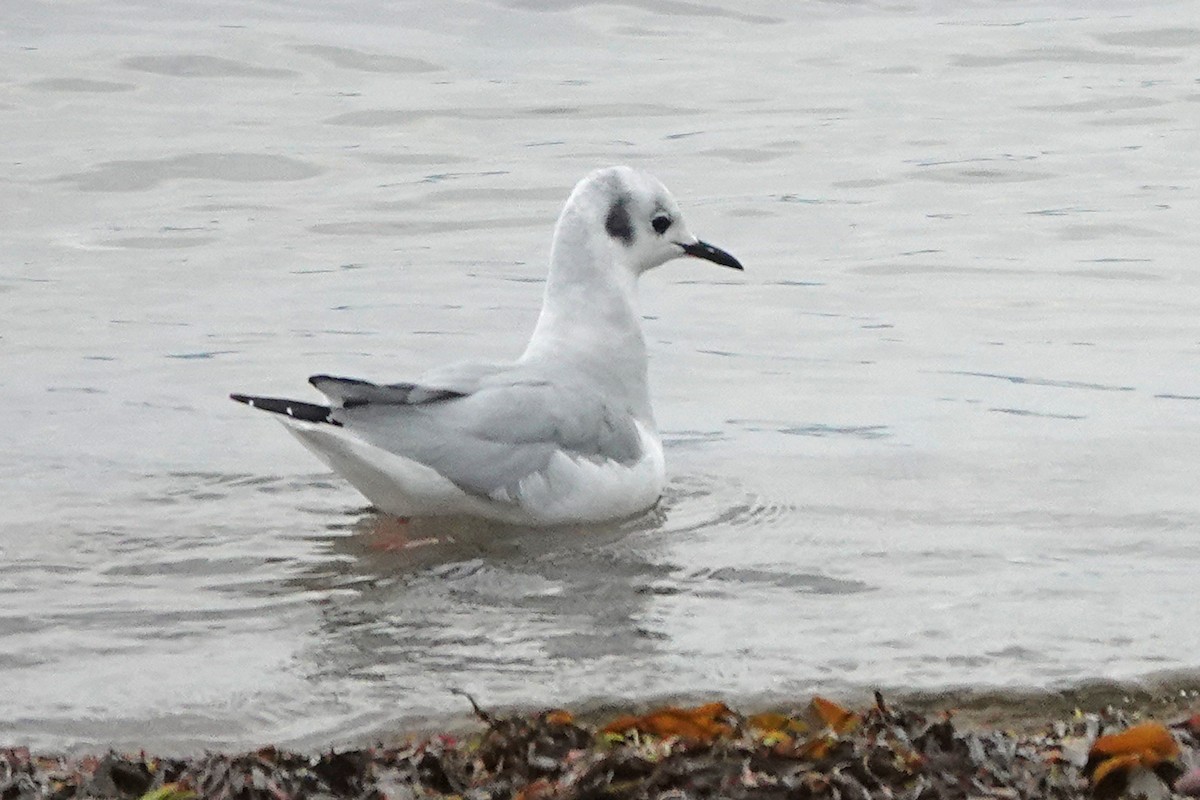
(660, 224)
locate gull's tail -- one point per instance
(306, 412)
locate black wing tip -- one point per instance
(306, 412)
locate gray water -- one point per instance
(943, 431)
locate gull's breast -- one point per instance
(573, 488)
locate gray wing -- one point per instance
(444, 383)
(486, 440)
(352, 392)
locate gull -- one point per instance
(564, 434)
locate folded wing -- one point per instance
(487, 440)
(351, 392)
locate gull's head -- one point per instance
(632, 214)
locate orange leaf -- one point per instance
(713, 710)
(839, 719)
(1151, 742)
(768, 722)
(558, 716)
(704, 723)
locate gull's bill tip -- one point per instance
(699, 249)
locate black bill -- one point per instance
(714, 254)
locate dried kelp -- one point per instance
(821, 751)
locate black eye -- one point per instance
(661, 224)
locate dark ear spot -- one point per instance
(618, 224)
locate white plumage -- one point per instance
(563, 434)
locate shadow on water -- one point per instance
(372, 549)
(456, 599)
(428, 603)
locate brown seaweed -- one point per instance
(821, 751)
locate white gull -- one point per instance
(563, 434)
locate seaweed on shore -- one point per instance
(820, 752)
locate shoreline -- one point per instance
(1096, 739)
(1156, 695)
(1159, 695)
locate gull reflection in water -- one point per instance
(427, 603)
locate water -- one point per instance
(943, 431)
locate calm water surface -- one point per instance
(944, 430)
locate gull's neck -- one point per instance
(589, 320)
